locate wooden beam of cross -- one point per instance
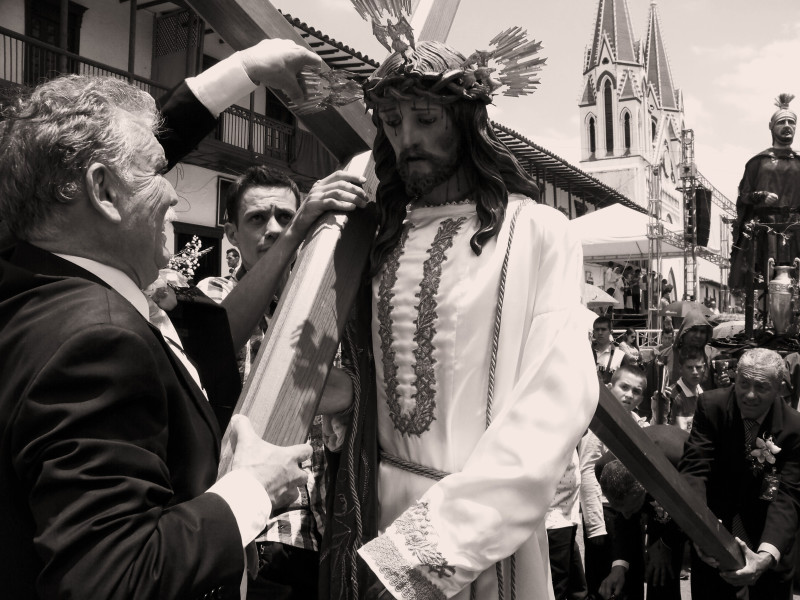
(287, 379)
(289, 373)
(625, 438)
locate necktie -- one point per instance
(737, 525)
(750, 431)
(160, 319)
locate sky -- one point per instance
(730, 58)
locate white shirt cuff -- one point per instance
(248, 500)
(222, 85)
(770, 549)
(621, 563)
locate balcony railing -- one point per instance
(25, 62)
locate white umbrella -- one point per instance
(594, 297)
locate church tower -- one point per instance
(631, 112)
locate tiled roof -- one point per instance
(335, 54)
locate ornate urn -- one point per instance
(782, 290)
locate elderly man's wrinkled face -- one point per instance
(756, 389)
(425, 143)
(142, 238)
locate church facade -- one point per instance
(632, 118)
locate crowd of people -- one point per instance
(451, 456)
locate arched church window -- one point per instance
(607, 92)
(653, 128)
(626, 123)
(592, 136)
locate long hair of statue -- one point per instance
(492, 171)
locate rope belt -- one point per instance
(411, 467)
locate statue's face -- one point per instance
(425, 143)
(783, 131)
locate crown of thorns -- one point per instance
(513, 57)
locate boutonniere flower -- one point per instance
(660, 515)
(765, 450)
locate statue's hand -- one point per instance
(770, 199)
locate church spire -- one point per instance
(613, 24)
(656, 63)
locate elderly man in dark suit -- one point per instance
(743, 457)
(108, 445)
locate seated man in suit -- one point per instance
(637, 513)
(743, 457)
(109, 447)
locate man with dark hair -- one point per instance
(682, 397)
(232, 258)
(628, 384)
(608, 356)
(743, 458)
(109, 443)
(477, 403)
(659, 563)
(260, 205)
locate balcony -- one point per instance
(242, 137)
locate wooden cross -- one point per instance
(287, 379)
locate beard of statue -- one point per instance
(441, 169)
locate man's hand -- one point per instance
(338, 393)
(612, 585)
(338, 191)
(658, 570)
(276, 63)
(276, 468)
(755, 565)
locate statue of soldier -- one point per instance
(769, 193)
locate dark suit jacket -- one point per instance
(106, 445)
(714, 463)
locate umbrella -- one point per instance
(594, 297)
(728, 329)
(681, 308)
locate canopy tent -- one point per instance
(617, 232)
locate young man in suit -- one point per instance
(109, 446)
(743, 458)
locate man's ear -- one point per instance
(103, 189)
(230, 232)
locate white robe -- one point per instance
(434, 306)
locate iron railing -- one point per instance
(26, 62)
